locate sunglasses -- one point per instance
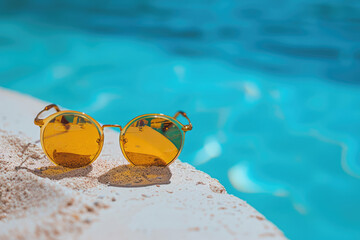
(73, 139)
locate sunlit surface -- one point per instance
(71, 140)
(272, 89)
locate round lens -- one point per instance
(72, 140)
(154, 141)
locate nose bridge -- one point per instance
(112, 125)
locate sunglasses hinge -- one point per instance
(187, 127)
(38, 121)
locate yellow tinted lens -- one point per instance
(152, 141)
(72, 140)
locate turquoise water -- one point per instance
(273, 92)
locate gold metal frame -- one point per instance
(42, 123)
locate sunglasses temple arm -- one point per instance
(38, 121)
(185, 127)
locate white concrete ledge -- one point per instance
(50, 203)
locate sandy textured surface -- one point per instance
(110, 199)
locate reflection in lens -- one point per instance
(152, 141)
(72, 140)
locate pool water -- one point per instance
(272, 89)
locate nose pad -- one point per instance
(123, 139)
